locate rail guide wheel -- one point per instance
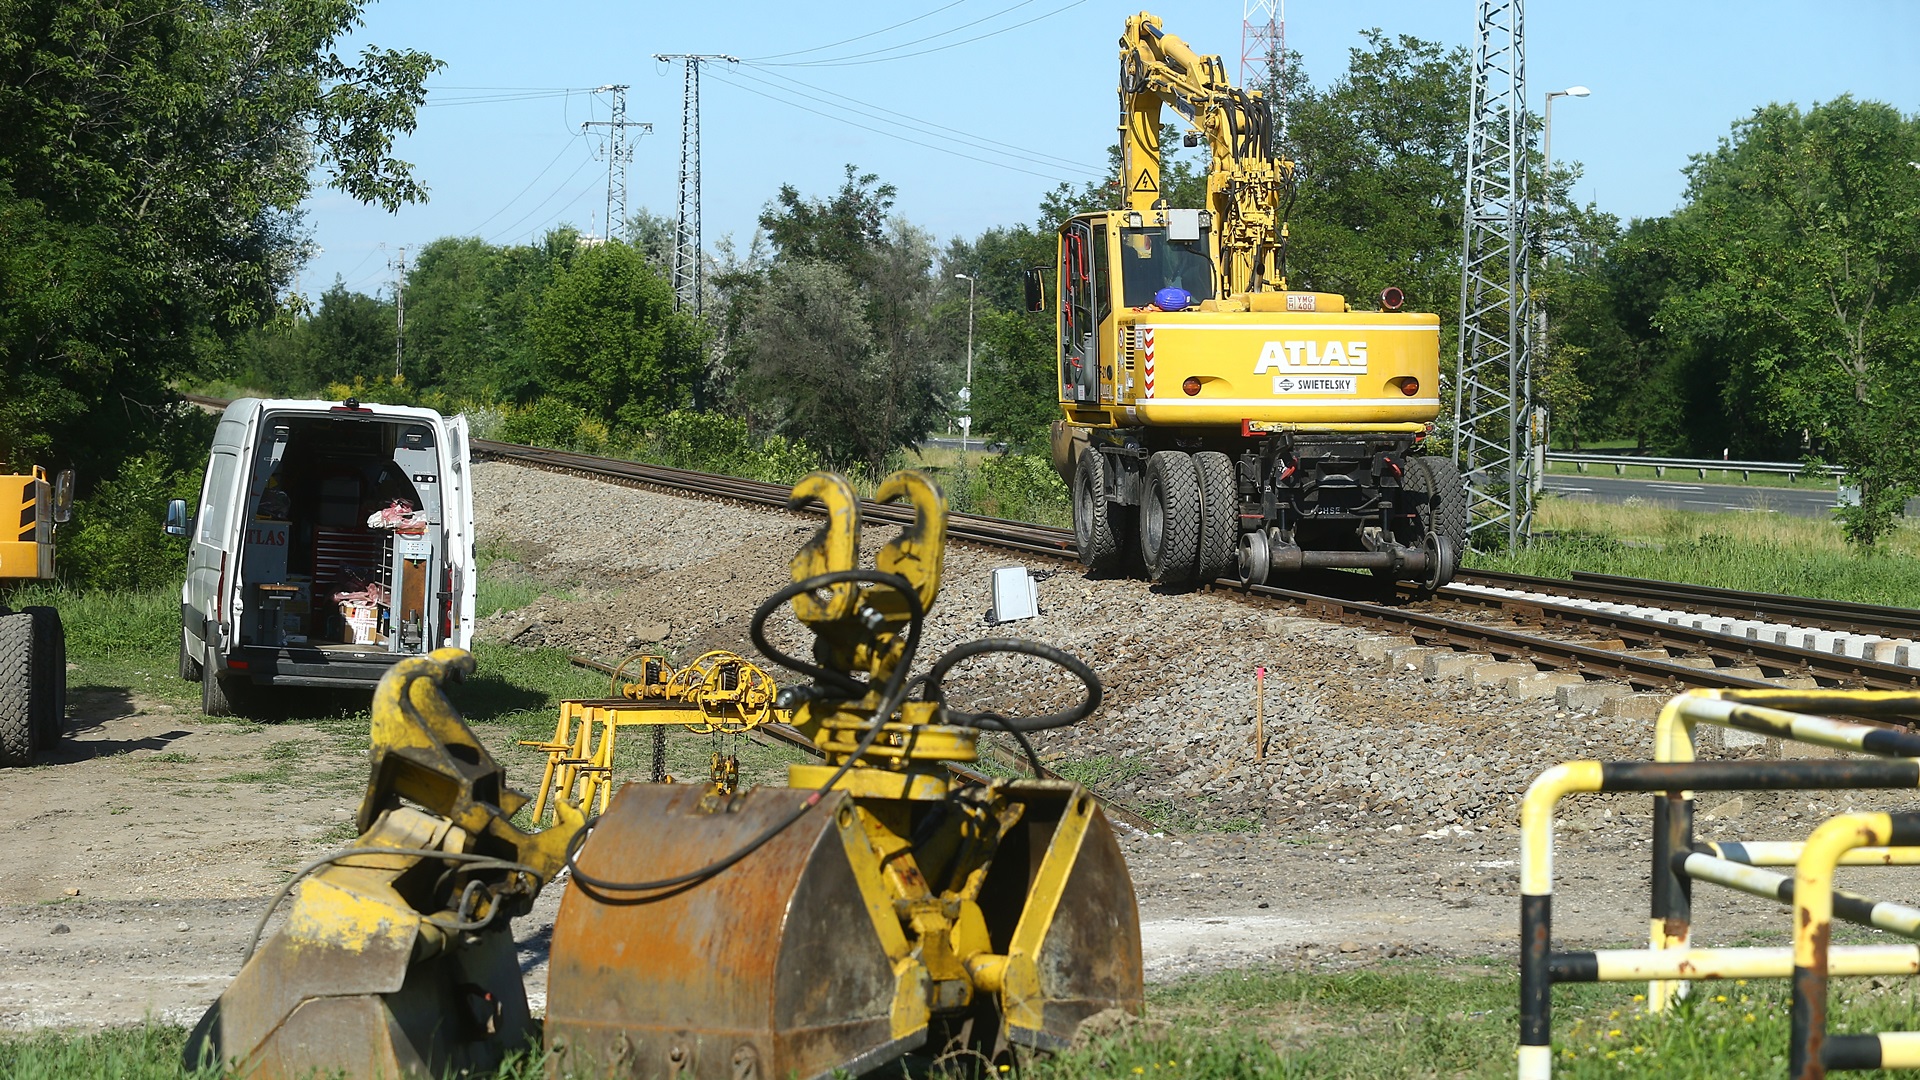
(874, 907)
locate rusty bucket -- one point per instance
(794, 962)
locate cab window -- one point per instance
(1150, 262)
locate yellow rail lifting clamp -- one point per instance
(869, 909)
(1679, 862)
(720, 693)
(396, 959)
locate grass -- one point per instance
(1404, 1019)
(1760, 552)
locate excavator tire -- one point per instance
(1446, 512)
(1170, 518)
(1219, 516)
(1101, 544)
(49, 677)
(16, 689)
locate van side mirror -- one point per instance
(177, 518)
(63, 497)
(1036, 296)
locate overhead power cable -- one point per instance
(853, 60)
(523, 191)
(513, 228)
(861, 107)
(858, 37)
(718, 74)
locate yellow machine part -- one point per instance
(396, 959)
(867, 910)
(26, 526)
(719, 693)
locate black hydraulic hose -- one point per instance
(1072, 664)
(891, 697)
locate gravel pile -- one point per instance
(1349, 743)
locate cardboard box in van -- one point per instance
(331, 541)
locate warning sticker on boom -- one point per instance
(1314, 384)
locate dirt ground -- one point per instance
(139, 857)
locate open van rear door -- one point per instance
(457, 510)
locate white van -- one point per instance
(333, 540)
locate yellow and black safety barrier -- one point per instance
(1678, 862)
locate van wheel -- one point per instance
(16, 689)
(219, 696)
(189, 667)
(1170, 518)
(49, 705)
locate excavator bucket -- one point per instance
(792, 963)
(396, 959)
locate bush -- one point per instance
(553, 423)
(714, 442)
(1021, 487)
(114, 540)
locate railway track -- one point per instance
(1638, 651)
(1508, 616)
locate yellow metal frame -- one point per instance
(720, 692)
(26, 525)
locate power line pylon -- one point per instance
(1263, 47)
(619, 153)
(1493, 409)
(687, 262)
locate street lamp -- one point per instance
(966, 392)
(1538, 467)
(1546, 147)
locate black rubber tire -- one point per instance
(1446, 512)
(1170, 518)
(1101, 549)
(217, 695)
(16, 689)
(189, 667)
(49, 703)
(1448, 501)
(1219, 516)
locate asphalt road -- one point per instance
(1805, 500)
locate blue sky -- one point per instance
(1668, 80)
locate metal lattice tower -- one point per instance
(1493, 410)
(687, 261)
(1263, 47)
(619, 153)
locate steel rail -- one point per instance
(1788, 660)
(1841, 615)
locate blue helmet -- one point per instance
(1171, 299)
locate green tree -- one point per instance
(609, 342)
(153, 159)
(1799, 262)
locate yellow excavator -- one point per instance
(33, 643)
(1215, 422)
